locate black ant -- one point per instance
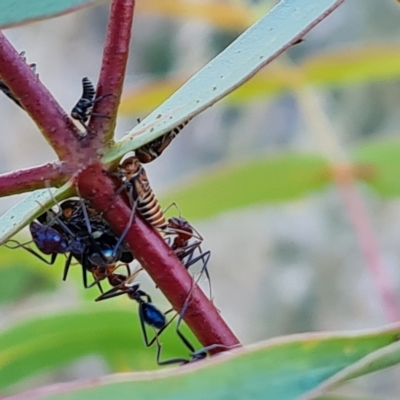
(82, 110)
(86, 237)
(149, 314)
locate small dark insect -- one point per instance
(84, 107)
(152, 150)
(134, 180)
(149, 314)
(78, 230)
(6, 90)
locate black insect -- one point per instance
(6, 90)
(80, 231)
(84, 107)
(149, 314)
(152, 150)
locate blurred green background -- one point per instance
(254, 174)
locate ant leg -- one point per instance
(66, 266)
(206, 258)
(170, 361)
(125, 232)
(36, 254)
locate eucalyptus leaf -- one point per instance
(23, 11)
(282, 368)
(287, 22)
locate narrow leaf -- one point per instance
(344, 66)
(282, 368)
(382, 160)
(28, 209)
(354, 64)
(229, 16)
(258, 182)
(22, 11)
(46, 342)
(256, 47)
(375, 361)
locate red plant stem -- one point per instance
(25, 180)
(369, 248)
(51, 119)
(115, 57)
(158, 259)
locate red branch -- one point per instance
(113, 68)
(158, 259)
(369, 247)
(25, 180)
(51, 119)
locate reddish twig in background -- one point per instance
(369, 246)
(158, 260)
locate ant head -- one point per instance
(181, 227)
(69, 207)
(103, 255)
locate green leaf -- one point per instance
(258, 182)
(29, 208)
(231, 16)
(256, 47)
(282, 368)
(336, 67)
(353, 64)
(22, 11)
(375, 361)
(21, 275)
(381, 162)
(46, 342)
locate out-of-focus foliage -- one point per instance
(261, 181)
(46, 342)
(22, 275)
(283, 369)
(23, 11)
(351, 65)
(228, 15)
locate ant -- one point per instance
(82, 110)
(86, 237)
(182, 247)
(149, 314)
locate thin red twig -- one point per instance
(26, 180)
(369, 248)
(51, 119)
(113, 68)
(158, 259)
